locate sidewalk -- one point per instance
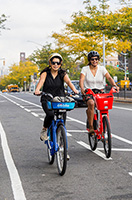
(122, 100)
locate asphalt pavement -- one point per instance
(25, 172)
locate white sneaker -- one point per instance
(68, 157)
(43, 135)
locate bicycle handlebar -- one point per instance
(89, 91)
(45, 94)
(56, 98)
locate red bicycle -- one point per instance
(101, 122)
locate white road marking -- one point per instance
(113, 135)
(76, 120)
(68, 134)
(42, 114)
(24, 101)
(122, 108)
(115, 149)
(36, 115)
(77, 131)
(71, 119)
(130, 173)
(16, 184)
(3, 101)
(27, 110)
(121, 138)
(96, 151)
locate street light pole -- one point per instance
(124, 54)
(103, 50)
(2, 69)
(104, 56)
(125, 65)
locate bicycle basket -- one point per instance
(104, 101)
(61, 105)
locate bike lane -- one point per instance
(69, 131)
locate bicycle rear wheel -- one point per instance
(51, 157)
(61, 155)
(92, 141)
(107, 137)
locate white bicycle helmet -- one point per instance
(55, 55)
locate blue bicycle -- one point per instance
(57, 133)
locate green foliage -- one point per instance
(3, 19)
(86, 30)
(41, 57)
(130, 77)
(115, 72)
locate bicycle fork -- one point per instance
(53, 145)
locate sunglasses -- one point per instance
(92, 59)
(53, 63)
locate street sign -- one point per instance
(24, 79)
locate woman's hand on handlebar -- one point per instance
(76, 91)
(117, 89)
(37, 92)
(83, 91)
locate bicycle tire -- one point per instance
(51, 158)
(61, 155)
(107, 137)
(92, 141)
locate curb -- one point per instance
(123, 100)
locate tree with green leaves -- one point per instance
(41, 57)
(3, 19)
(86, 30)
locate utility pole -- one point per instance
(124, 54)
(2, 69)
(103, 50)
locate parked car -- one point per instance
(77, 97)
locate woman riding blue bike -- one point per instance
(52, 79)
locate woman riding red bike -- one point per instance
(93, 77)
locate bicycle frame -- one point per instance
(53, 144)
(99, 131)
(57, 134)
(103, 102)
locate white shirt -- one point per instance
(91, 81)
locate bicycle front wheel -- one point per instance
(107, 137)
(92, 141)
(61, 155)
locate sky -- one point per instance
(31, 24)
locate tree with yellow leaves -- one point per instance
(86, 30)
(18, 72)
